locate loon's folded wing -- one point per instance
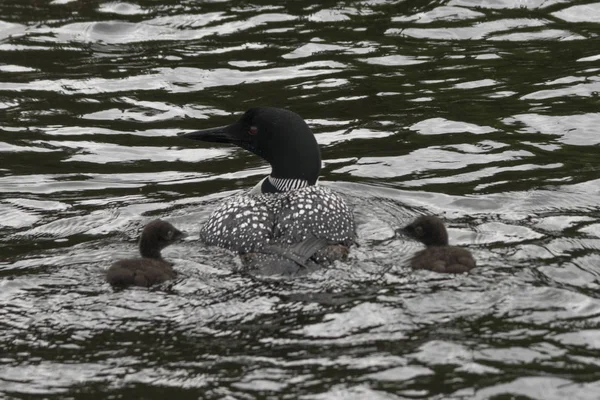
(299, 252)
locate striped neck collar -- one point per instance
(284, 185)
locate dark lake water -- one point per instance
(485, 112)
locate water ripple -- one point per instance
(484, 113)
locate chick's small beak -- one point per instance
(179, 235)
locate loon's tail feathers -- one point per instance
(300, 252)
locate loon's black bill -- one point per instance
(221, 134)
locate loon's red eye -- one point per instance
(252, 130)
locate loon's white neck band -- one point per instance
(284, 185)
(281, 184)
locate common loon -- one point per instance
(151, 268)
(286, 216)
(438, 256)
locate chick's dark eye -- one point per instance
(252, 130)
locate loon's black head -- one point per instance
(279, 136)
(429, 230)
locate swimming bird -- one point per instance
(287, 207)
(151, 268)
(438, 256)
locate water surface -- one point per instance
(483, 112)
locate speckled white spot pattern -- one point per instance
(248, 222)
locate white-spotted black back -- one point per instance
(248, 222)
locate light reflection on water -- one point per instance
(484, 113)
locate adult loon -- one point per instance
(438, 256)
(286, 224)
(151, 268)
